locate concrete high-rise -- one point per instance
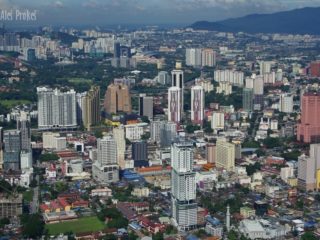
(118, 135)
(91, 107)
(168, 133)
(193, 57)
(117, 99)
(177, 80)
(315, 69)
(211, 153)
(197, 105)
(24, 126)
(106, 170)
(208, 58)
(174, 104)
(12, 149)
(225, 155)
(247, 99)
(286, 103)
(265, 67)
(183, 186)
(308, 130)
(56, 109)
(217, 120)
(140, 154)
(146, 106)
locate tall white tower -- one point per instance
(174, 104)
(197, 104)
(183, 186)
(228, 218)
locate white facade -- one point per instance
(26, 160)
(225, 155)
(265, 67)
(233, 77)
(217, 120)
(258, 85)
(59, 143)
(286, 103)
(208, 58)
(56, 109)
(224, 88)
(193, 57)
(107, 150)
(135, 131)
(48, 139)
(197, 104)
(174, 104)
(118, 135)
(286, 172)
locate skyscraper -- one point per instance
(225, 155)
(56, 109)
(91, 107)
(106, 170)
(117, 99)
(247, 99)
(140, 153)
(118, 134)
(308, 130)
(24, 126)
(177, 79)
(12, 149)
(174, 104)
(193, 57)
(197, 105)
(146, 106)
(183, 186)
(168, 133)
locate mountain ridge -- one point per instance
(297, 21)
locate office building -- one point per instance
(197, 105)
(168, 134)
(91, 107)
(117, 99)
(140, 154)
(308, 130)
(118, 135)
(174, 104)
(24, 126)
(225, 155)
(155, 130)
(146, 106)
(247, 99)
(183, 186)
(56, 109)
(12, 149)
(286, 103)
(26, 160)
(80, 103)
(106, 170)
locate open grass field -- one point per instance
(85, 224)
(13, 103)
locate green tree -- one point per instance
(32, 226)
(47, 157)
(157, 236)
(308, 236)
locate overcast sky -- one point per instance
(105, 12)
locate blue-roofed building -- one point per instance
(192, 237)
(213, 226)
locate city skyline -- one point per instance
(125, 12)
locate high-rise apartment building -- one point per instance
(211, 153)
(308, 130)
(197, 105)
(193, 57)
(225, 155)
(146, 106)
(217, 120)
(315, 69)
(91, 107)
(265, 67)
(235, 78)
(174, 104)
(106, 170)
(118, 135)
(208, 58)
(168, 134)
(117, 99)
(183, 186)
(56, 109)
(286, 103)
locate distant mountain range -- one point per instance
(298, 21)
